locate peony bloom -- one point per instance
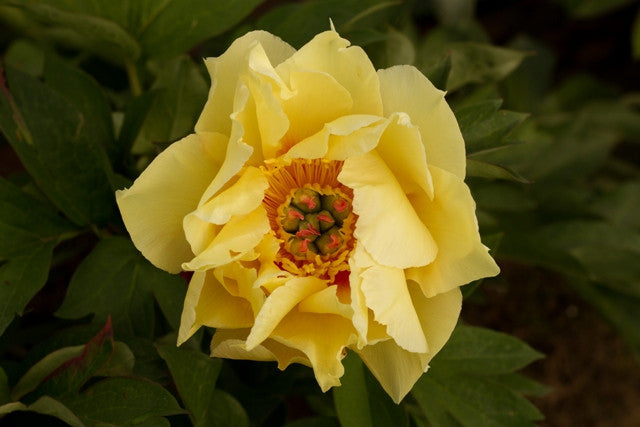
(321, 206)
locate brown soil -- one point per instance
(595, 379)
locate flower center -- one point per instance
(310, 212)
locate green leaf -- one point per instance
(122, 401)
(483, 169)
(26, 56)
(620, 205)
(47, 406)
(360, 401)
(84, 93)
(592, 8)
(65, 370)
(116, 280)
(348, 16)
(484, 352)
(195, 375)
(466, 382)
(635, 37)
(21, 278)
(82, 27)
(314, 422)
(227, 411)
(484, 126)
(4, 387)
(178, 25)
(181, 92)
(438, 72)
(471, 62)
(52, 138)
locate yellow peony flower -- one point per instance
(321, 206)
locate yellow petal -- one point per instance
(239, 281)
(317, 99)
(396, 369)
(344, 137)
(401, 149)
(387, 224)
(350, 66)
(322, 338)
(450, 217)
(227, 69)
(386, 294)
(405, 89)
(239, 236)
(154, 207)
(230, 344)
(279, 303)
(209, 304)
(358, 304)
(242, 197)
(326, 301)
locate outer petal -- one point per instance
(326, 302)
(396, 369)
(404, 88)
(279, 304)
(239, 236)
(229, 344)
(171, 186)
(225, 72)
(387, 225)
(209, 304)
(451, 219)
(350, 66)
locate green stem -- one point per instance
(134, 80)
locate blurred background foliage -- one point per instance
(547, 95)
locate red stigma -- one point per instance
(335, 242)
(340, 205)
(295, 214)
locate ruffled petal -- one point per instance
(238, 237)
(350, 66)
(224, 72)
(387, 224)
(230, 344)
(154, 207)
(386, 294)
(326, 302)
(209, 304)
(242, 197)
(279, 304)
(344, 137)
(322, 338)
(405, 89)
(451, 219)
(239, 281)
(401, 149)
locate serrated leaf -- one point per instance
(47, 406)
(466, 381)
(195, 375)
(122, 401)
(115, 280)
(484, 126)
(51, 137)
(360, 401)
(181, 92)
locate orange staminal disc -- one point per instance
(310, 212)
